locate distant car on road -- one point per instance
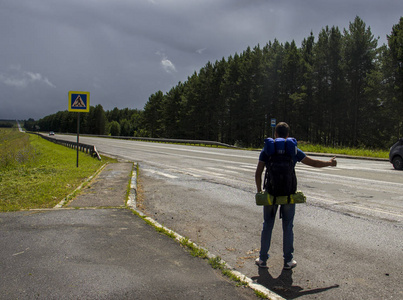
(51, 133)
(396, 155)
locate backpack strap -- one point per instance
(291, 147)
(269, 148)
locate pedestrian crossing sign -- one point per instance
(79, 101)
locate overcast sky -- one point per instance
(122, 51)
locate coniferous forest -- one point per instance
(339, 89)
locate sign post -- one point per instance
(273, 125)
(79, 102)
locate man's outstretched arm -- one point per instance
(316, 163)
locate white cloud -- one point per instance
(12, 81)
(168, 66)
(200, 51)
(21, 79)
(33, 77)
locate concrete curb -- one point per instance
(131, 203)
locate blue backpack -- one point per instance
(280, 178)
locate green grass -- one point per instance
(193, 249)
(359, 152)
(35, 173)
(15, 148)
(217, 263)
(345, 151)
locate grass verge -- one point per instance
(217, 263)
(47, 173)
(344, 151)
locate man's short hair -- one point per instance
(282, 130)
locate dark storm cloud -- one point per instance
(125, 50)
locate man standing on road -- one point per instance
(287, 211)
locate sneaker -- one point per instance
(291, 264)
(260, 263)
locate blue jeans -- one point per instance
(287, 213)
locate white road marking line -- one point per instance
(218, 175)
(353, 205)
(316, 170)
(356, 180)
(242, 168)
(162, 174)
(250, 167)
(189, 149)
(223, 170)
(185, 171)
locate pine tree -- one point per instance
(395, 42)
(152, 115)
(359, 55)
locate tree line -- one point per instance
(116, 122)
(341, 90)
(6, 124)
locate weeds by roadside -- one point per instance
(345, 151)
(15, 149)
(217, 263)
(36, 173)
(193, 249)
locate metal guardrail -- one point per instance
(159, 140)
(89, 149)
(163, 140)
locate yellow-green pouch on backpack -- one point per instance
(264, 198)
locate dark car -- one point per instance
(396, 155)
(51, 133)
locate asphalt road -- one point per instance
(102, 254)
(348, 236)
